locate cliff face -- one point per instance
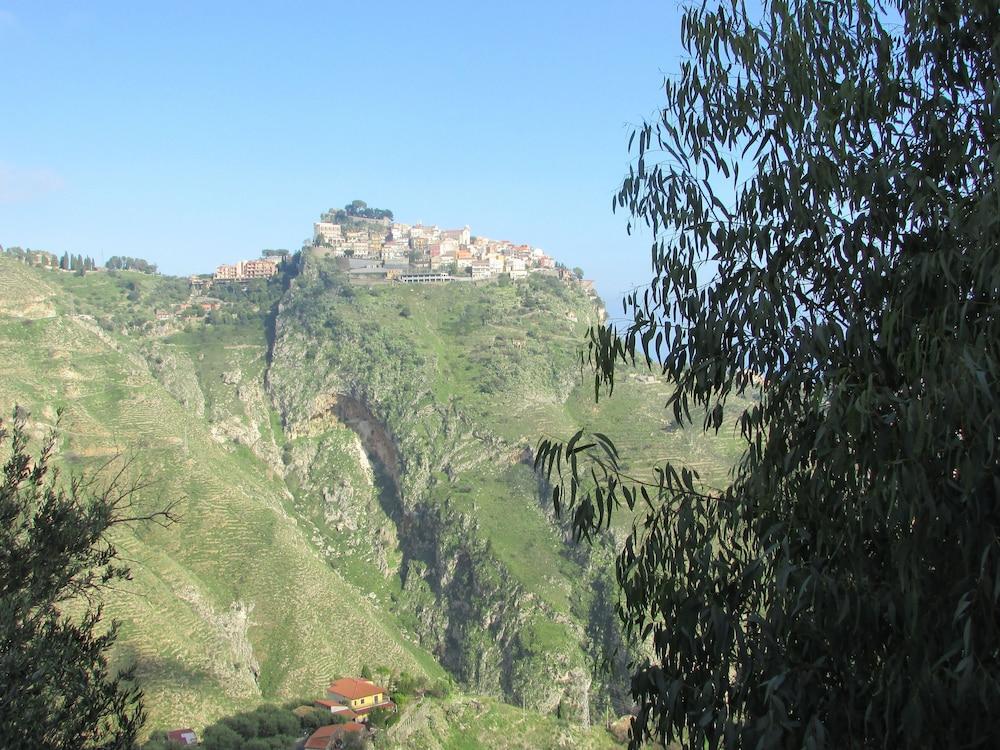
(475, 567)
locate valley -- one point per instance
(352, 468)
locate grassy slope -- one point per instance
(238, 545)
(501, 362)
(464, 723)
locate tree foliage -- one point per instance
(125, 263)
(266, 727)
(32, 257)
(821, 185)
(356, 209)
(57, 689)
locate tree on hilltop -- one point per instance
(822, 188)
(57, 690)
(361, 210)
(125, 263)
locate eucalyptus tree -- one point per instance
(821, 187)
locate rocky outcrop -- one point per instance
(253, 430)
(175, 370)
(234, 663)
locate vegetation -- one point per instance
(77, 263)
(125, 301)
(462, 722)
(355, 210)
(842, 589)
(360, 209)
(67, 262)
(56, 558)
(480, 574)
(125, 263)
(268, 727)
(32, 257)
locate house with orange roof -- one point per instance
(361, 696)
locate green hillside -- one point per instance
(234, 603)
(460, 381)
(468, 723)
(353, 469)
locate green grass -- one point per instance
(465, 378)
(505, 506)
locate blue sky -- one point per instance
(197, 133)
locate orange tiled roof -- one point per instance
(352, 688)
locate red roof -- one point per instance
(319, 739)
(352, 689)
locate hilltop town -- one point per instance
(435, 383)
(372, 247)
(375, 247)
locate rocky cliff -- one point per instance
(418, 394)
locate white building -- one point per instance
(516, 267)
(481, 269)
(430, 233)
(399, 231)
(327, 232)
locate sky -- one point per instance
(199, 133)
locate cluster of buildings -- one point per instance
(246, 270)
(417, 253)
(352, 700)
(349, 699)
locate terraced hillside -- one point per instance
(233, 604)
(468, 723)
(353, 470)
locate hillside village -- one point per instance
(372, 247)
(202, 393)
(382, 249)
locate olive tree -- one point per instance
(821, 188)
